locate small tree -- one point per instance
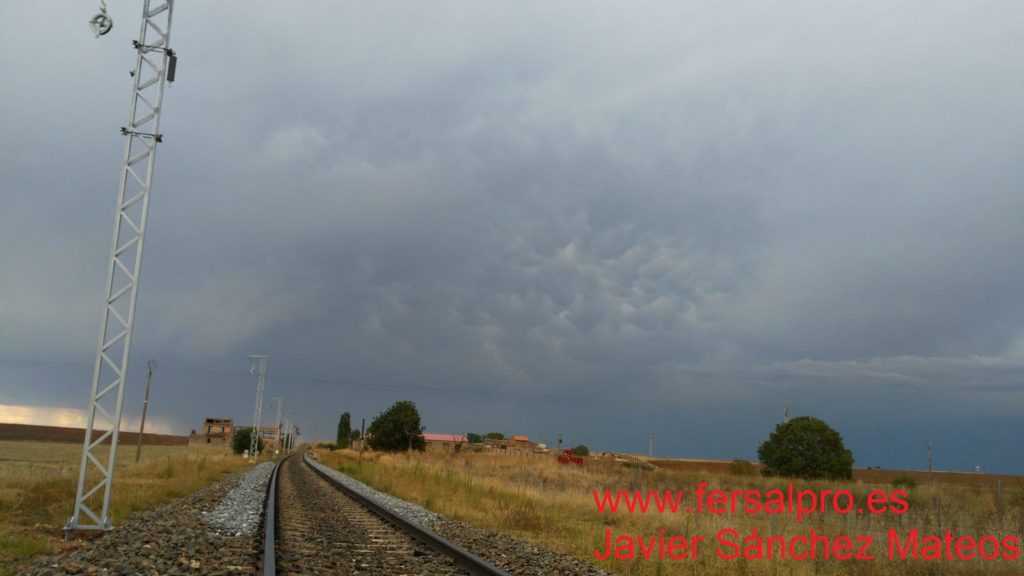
(397, 428)
(354, 435)
(474, 438)
(243, 439)
(344, 430)
(581, 450)
(494, 436)
(805, 447)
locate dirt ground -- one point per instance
(58, 434)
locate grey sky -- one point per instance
(599, 219)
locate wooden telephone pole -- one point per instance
(151, 364)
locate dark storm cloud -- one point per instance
(526, 215)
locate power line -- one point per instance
(241, 380)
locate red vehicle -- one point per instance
(568, 457)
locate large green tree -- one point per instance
(243, 440)
(805, 447)
(344, 430)
(397, 428)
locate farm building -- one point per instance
(520, 442)
(217, 431)
(444, 442)
(515, 443)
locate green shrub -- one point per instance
(742, 467)
(905, 481)
(242, 440)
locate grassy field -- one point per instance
(866, 475)
(533, 498)
(551, 504)
(38, 482)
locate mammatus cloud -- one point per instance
(643, 213)
(294, 142)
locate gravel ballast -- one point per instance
(407, 510)
(240, 511)
(178, 537)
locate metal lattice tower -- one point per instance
(153, 61)
(258, 366)
(277, 433)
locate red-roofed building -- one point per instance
(444, 442)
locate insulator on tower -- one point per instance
(101, 23)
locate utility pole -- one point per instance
(154, 65)
(151, 364)
(258, 366)
(277, 441)
(287, 436)
(362, 441)
(650, 444)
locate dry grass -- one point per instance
(551, 504)
(38, 482)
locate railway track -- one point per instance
(315, 526)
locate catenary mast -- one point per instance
(258, 366)
(154, 66)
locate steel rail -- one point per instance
(267, 565)
(476, 565)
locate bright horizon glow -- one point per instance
(71, 418)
